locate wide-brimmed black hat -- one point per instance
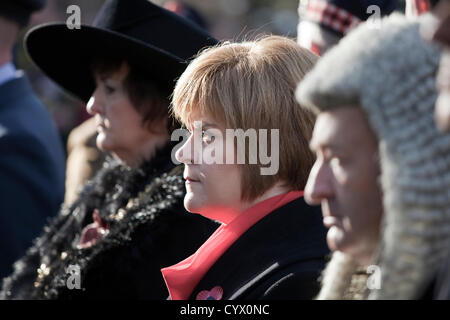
(151, 37)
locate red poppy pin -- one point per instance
(213, 294)
(93, 232)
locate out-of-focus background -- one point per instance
(224, 19)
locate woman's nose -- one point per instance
(94, 104)
(185, 154)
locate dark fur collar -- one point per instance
(156, 187)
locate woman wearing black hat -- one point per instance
(129, 221)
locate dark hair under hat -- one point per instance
(153, 38)
(20, 10)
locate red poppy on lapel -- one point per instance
(214, 294)
(93, 232)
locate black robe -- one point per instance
(154, 232)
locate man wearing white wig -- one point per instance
(382, 173)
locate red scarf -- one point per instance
(182, 278)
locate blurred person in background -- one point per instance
(84, 158)
(31, 154)
(415, 8)
(382, 170)
(185, 10)
(129, 220)
(322, 23)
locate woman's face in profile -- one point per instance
(119, 125)
(213, 189)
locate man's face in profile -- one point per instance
(344, 180)
(442, 113)
(442, 36)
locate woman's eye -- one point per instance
(109, 89)
(207, 138)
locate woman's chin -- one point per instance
(103, 142)
(191, 204)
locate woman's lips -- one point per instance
(190, 180)
(330, 221)
(100, 123)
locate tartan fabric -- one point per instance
(331, 16)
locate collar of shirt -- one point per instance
(182, 278)
(7, 72)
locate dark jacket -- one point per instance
(154, 231)
(439, 286)
(31, 170)
(280, 257)
(442, 287)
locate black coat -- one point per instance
(32, 169)
(439, 286)
(280, 257)
(155, 231)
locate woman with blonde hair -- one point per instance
(271, 244)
